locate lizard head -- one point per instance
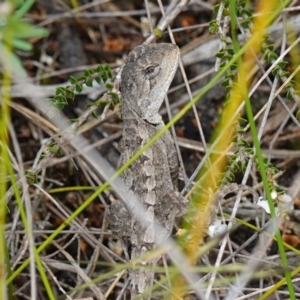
(146, 77)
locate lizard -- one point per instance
(145, 79)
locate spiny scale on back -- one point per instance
(145, 79)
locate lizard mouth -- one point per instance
(152, 124)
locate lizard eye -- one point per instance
(152, 71)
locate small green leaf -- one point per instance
(245, 23)
(11, 62)
(225, 82)
(81, 79)
(98, 79)
(60, 91)
(275, 70)
(222, 64)
(31, 177)
(243, 121)
(99, 69)
(61, 99)
(25, 30)
(21, 44)
(246, 12)
(289, 95)
(114, 96)
(73, 120)
(230, 75)
(272, 56)
(69, 92)
(73, 80)
(282, 64)
(102, 103)
(109, 86)
(55, 150)
(23, 6)
(158, 32)
(112, 105)
(216, 8)
(88, 73)
(109, 73)
(213, 29)
(233, 67)
(269, 47)
(249, 151)
(285, 74)
(78, 88)
(226, 12)
(229, 50)
(104, 76)
(59, 106)
(94, 114)
(242, 4)
(89, 83)
(220, 54)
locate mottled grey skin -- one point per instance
(145, 79)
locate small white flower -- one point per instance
(274, 194)
(263, 203)
(217, 228)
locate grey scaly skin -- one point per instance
(145, 80)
